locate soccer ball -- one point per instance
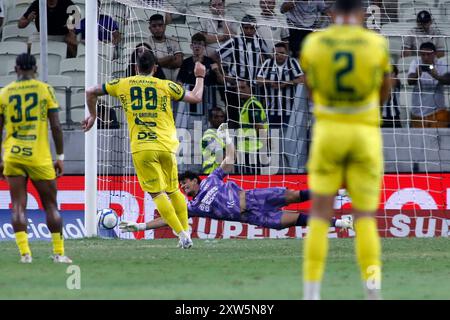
(107, 218)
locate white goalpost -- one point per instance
(90, 146)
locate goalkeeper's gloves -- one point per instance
(129, 226)
(224, 134)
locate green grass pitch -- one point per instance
(220, 269)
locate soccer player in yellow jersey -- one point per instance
(147, 102)
(26, 107)
(347, 73)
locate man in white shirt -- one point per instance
(266, 25)
(428, 75)
(166, 50)
(304, 16)
(216, 30)
(423, 32)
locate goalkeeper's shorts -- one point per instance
(263, 207)
(156, 170)
(347, 155)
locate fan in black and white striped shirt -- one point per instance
(244, 54)
(279, 77)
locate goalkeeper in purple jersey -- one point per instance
(213, 198)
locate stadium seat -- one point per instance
(118, 74)
(77, 106)
(73, 68)
(61, 98)
(403, 65)
(56, 52)
(20, 5)
(62, 116)
(77, 100)
(444, 7)
(12, 16)
(396, 28)
(409, 14)
(181, 33)
(59, 83)
(395, 47)
(13, 33)
(10, 68)
(8, 52)
(77, 115)
(81, 51)
(7, 80)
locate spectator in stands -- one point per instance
(243, 55)
(108, 29)
(166, 50)
(252, 132)
(131, 70)
(57, 19)
(213, 76)
(428, 75)
(265, 25)
(216, 30)
(423, 32)
(304, 15)
(279, 77)
(213, 147)
(390, 111)
(106, 116)
(2, 13)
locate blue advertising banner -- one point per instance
(73, 226)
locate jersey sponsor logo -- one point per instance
(139, 122)
(147, 135)
(175, 88)
(23, 151)
(114, 82)
(26, 137)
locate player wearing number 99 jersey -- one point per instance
(147, 102)
(347, 71)
(26, 107)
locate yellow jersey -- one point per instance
(147, 102)
(25, 105)
(345, 66)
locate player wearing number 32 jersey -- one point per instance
(347, 72)
(26, 108)
(147, 102)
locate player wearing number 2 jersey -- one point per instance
(147, 102)
(26, 107)
(347, 71)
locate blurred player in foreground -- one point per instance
(216, 199)
(147, 102)
(347, 72)
(26, 106)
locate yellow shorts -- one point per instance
(350, 155)
(38, 173)
(156, 170)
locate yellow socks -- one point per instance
(22, 243)
(167, 212)
(179, 203)
(58, 243)
(368, 252)
(316, 249)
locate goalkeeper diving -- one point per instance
(216, 199)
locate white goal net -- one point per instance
(254, 78)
